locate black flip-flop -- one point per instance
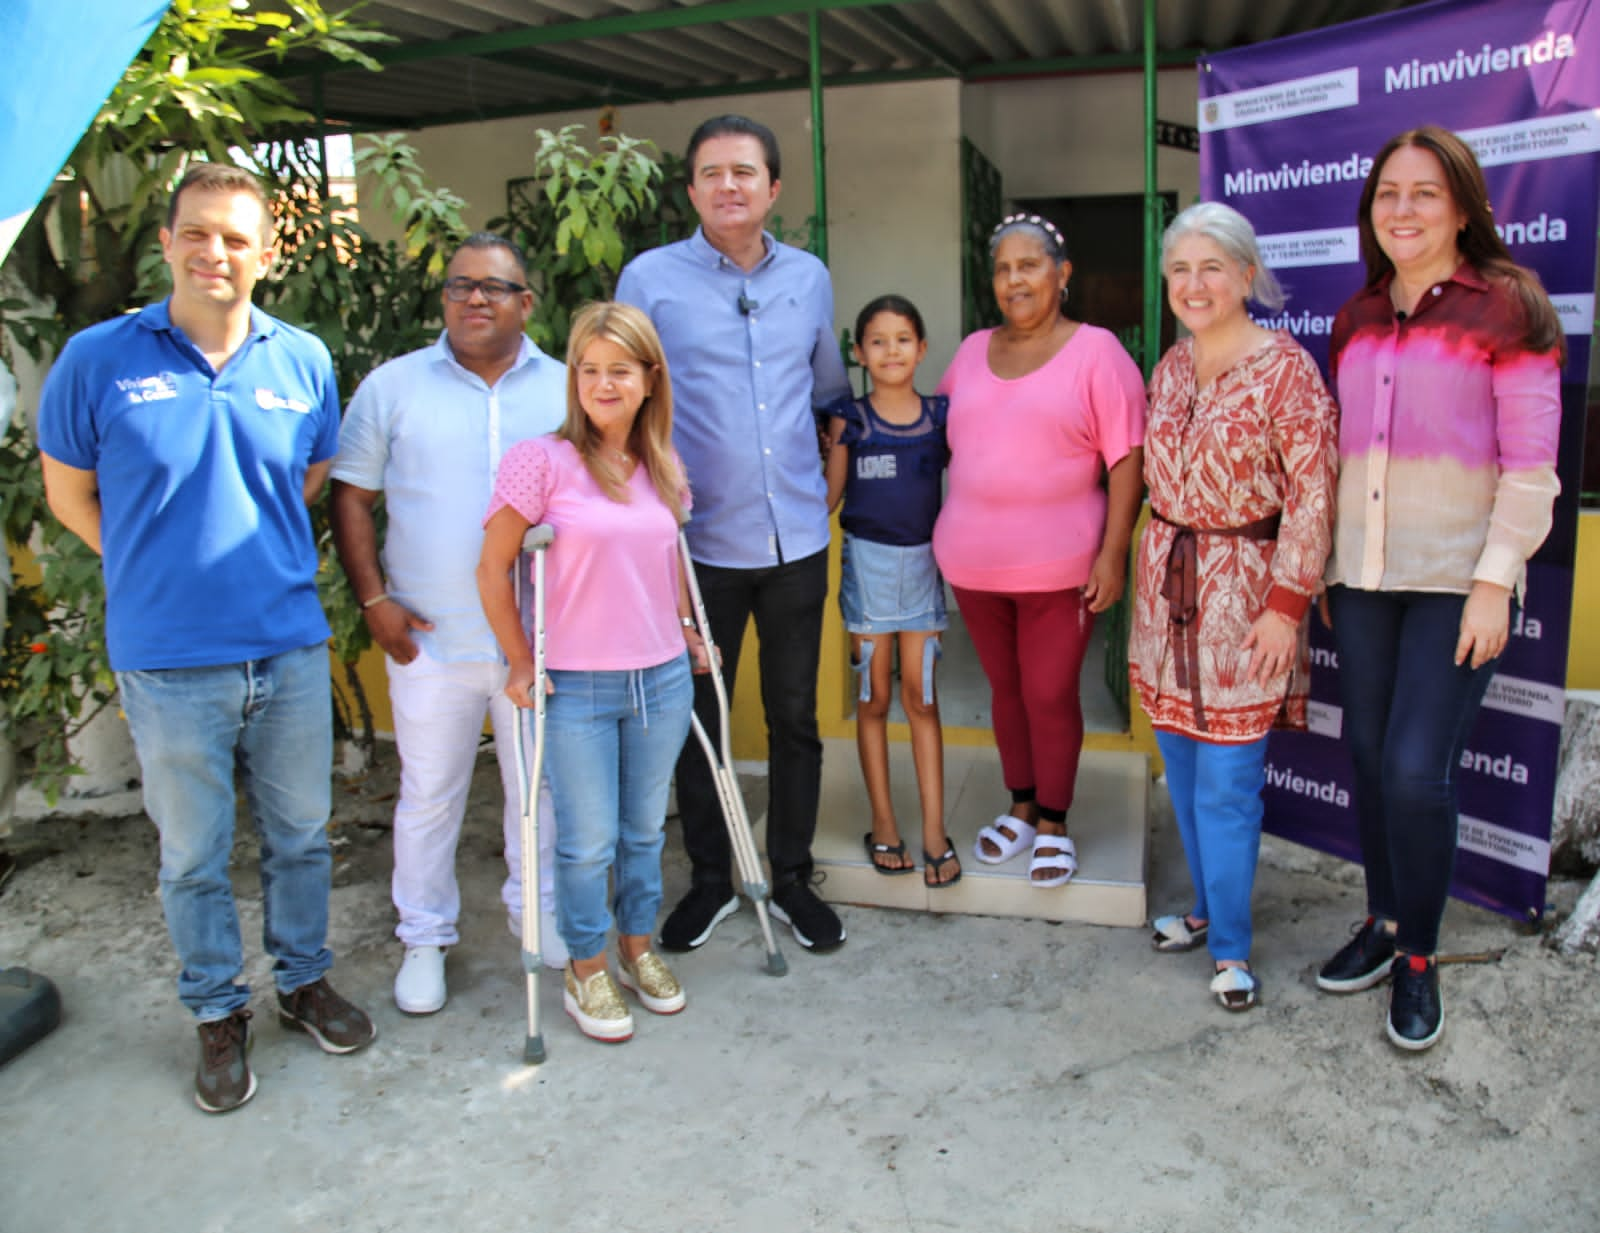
(934, 865)
(875, 850)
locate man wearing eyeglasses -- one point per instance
(427, 430)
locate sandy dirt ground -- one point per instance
(938, 1073)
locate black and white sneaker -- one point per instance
(1416, 1016)
(1362, 962)
(816, 926)
(699, 912)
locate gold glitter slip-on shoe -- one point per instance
(596, 1006)
(652, 982)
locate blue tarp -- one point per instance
(59, 59)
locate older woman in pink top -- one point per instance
(1031, 543)
(618, 649)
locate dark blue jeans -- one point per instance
(786, 601)
(1408, 709)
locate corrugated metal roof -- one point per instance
(457, 60)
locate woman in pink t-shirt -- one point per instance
(617, 616)
(1030, 542)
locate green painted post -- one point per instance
(819, 157)
(322, 135)
(1152, 201)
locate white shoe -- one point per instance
(552, 950)
(419, 984)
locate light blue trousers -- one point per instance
(267, 726)
(1216, 795)
(612, 739)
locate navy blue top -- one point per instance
(893, 487)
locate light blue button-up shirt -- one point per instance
(429, 435)
(751, 353)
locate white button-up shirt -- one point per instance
(429, 435)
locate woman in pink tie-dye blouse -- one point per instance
(1447, 370)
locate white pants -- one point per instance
(438, 723)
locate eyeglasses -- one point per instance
(459, 290)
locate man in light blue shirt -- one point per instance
(427, 430)
(747, 325)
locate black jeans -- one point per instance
(786, 601)
(1408, 710)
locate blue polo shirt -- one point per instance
(751, 354)
(429, 435)
(208, 553)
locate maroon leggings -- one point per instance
(1031, 645)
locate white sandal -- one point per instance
(1174, 934)
(1059, 859)
(1236, 988)
(1008, 846)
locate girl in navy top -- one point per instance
(886, 460)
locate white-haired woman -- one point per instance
(1240, 460)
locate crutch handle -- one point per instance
(538, 537)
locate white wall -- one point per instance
(893, 172)
(1082, 135)
(893, 167)
(894, 192)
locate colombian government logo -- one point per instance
(268, 401)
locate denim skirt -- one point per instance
(885, 588)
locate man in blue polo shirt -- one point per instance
(427, 430)
(747, 325)
(184, 443)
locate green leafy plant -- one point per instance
(200, 86)
(53, 671)
(582, 215)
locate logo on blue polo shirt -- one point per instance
(149, 389)
(268, 401)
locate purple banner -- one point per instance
(1288, 131)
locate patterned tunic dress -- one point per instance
(1260, 440)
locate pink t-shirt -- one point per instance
(612, 570)
(1024, 510)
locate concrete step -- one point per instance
(1108, 823)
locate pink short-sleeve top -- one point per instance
(611, 576)
(1024, 510)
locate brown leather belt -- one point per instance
(1180, 587)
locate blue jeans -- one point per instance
(1408, 710)
(611, 739)
(271, 721)
(1216, 795)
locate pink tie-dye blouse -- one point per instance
(1448, 432)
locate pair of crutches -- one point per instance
(740, 837)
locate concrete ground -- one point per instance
(938, 1073)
